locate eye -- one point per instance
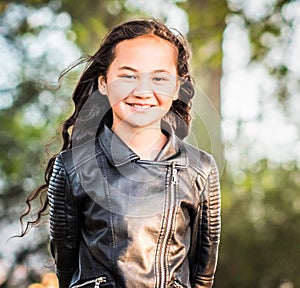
(160, 79)
(128, 76)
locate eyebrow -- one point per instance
(135, 70)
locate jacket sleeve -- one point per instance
(63, 225)
(208, 231)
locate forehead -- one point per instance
(148, 51)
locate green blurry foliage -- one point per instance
(261, 217)
(92, 19)
(30, 111)
(273, 28)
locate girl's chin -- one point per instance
(137, 123)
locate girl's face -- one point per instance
(141, 82)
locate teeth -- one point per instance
(141, 106)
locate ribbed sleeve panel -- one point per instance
(63, 225)
(56, 196)
(214, 195)
(209, 230)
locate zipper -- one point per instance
(167, 228)
(174, 174)
(100, 280)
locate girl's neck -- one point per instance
(145, 142)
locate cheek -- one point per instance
(165, 101)
(118, 90)
(168, 89)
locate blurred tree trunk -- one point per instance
(207, 24)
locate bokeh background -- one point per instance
(246, 66)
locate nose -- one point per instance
(143, 88)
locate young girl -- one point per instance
(131, 204)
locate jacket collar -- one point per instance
(118, 153)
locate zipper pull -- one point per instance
(176, 284)
(174, 174)
(99, 281)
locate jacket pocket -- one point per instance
(95, 283)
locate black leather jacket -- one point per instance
(119, 221)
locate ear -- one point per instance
(102, 85)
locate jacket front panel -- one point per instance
(137, 225)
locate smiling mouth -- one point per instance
(140, 106)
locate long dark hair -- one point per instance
(85, 114)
